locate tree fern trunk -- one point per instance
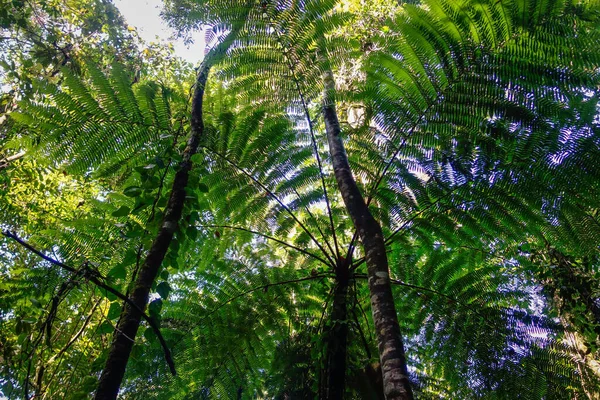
(129, 322)
(391, 349)
(337, 343)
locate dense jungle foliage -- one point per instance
(345, 200)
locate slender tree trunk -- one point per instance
(391, 349)
(337, 343)
(129, 322)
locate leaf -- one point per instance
(105, 327)
(121, 212)
(163, 289)
(197, 158)
(162, 202)
(35, 302)
(191, 233)
(134, 232)
(114, 310)
(89, 383)
(99, 362)
(110, 296)
(149, 334)
(202, 188)
(132, 191)
(118, 272)
(155, 307)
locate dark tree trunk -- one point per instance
(129, 322)
(391, 349)
(337, 340)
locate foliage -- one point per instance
(472, 129)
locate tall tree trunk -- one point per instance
(337, 341)
(391, 349)
(129, 322)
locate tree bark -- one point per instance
(129, 322)
(6, 161)
(391, 349)
(337, 342)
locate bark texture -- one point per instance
(129, 322)
(8, 160)
(391, 349)
(337, 343)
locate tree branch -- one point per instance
(308, 278)
(237, 228)
(424, 289)
(6, 161)
(274, 196)
(93, 277)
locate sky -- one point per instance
(145, 16)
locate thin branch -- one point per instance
(93, 277)
(329, 296)
(316, 222)
(424, 289)
(360, 331)
(352, 246)
(364, 314)
(373, 189)
(78, 334)
(362, 335)
(68, 385)
(159, 192)
(238, 228)
(4, 162)
(419, 213)
(308, 278)
(405, 138)
(61, 354)
(313, 140)
(274, 196)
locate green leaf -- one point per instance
(162, 202)
(163, 289)
(118, 272)
(105, 327)
(35, 302)
(154, 308)
(202, 188)
(114, 311)
(89, 383)
(98, 364)
(149, 335)
(197, 158)
(135, 232)
(132, 191)
(110, 296)
(121, 212)
(192, 233)
(164, 274)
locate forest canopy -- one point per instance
(344, 200)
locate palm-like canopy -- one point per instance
(475, 145)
